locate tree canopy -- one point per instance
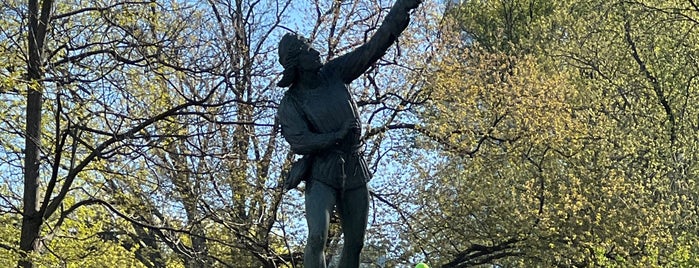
(569, 134)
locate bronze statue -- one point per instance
(320, 121)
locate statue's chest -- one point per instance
(328, 107)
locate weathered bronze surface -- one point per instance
(320, 121)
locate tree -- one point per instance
(567, 147)
(83, 77)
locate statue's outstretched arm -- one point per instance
(353, 64)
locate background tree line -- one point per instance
(509, 133)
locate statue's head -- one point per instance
(295, 54)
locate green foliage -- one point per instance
(505, 25)
(86, 239)
(579, 152)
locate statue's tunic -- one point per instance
(311, 117)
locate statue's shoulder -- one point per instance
(290, 96)
(284, 103)
(290, 100)
(331, 68)
(286, 97)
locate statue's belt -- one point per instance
(344, 156)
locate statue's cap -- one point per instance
(289, 47)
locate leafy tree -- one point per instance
(98, 80)
(504, 25)
(571, 145)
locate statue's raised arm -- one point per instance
(353, 64)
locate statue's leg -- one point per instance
(353, 209)
(320, 200)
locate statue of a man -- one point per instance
(320, 121)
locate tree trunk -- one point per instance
(32, 217)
